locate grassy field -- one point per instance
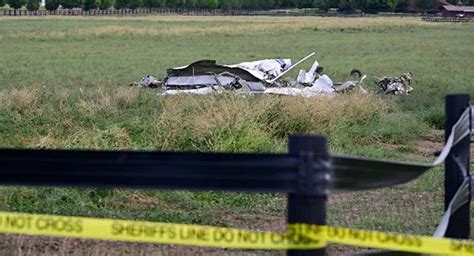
(64, 86)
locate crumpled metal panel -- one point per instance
(198, 80)
(204, 67)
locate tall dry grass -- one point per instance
(331, 21)
(323, 115)
(209, 121)
(67, 118)
(229, 26)
(93, 101)
(123, 117)
(21, 100)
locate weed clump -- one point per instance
(20, 100)
(123, 118)
(233, 123)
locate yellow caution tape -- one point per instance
(391, 241)
(154, 232)
(298, 236)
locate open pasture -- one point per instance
(63, 85)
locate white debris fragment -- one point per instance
(265, 69)
(307, 78)
(200, 91)
(149, 81)
(323, 85)
(351, 85)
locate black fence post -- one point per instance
(459, 223)
(308, 205)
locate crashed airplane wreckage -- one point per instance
(256, 77)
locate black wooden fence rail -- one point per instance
(453, 175)
(306, 173)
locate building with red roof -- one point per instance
(449, 10)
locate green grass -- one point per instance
(64, 86)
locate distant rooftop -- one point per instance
(457, 8)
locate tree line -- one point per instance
(368, 6)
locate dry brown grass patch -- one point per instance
(93, 118)
(323, 114)
(230, 26)
(206, 119)
(22, 99)
(48, 141)
(125, 97)
(110, 100)
(180, 19)
(113, 137)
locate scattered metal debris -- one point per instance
(290, 68)
(265, 77)
(311, 83)
(206, 73)
(267, 70)
(205, 76)
(351, 85)
(395, 85)
(148, 81)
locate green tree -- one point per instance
(348, 5)
(375, 5)
(172, 3)
(402, 5)
(333, 3)
(90, 4)
(225, 4)
(247, 4)
(32, 5)
(426, 4)
(269, 4)
(300, 4)
(392, 4)
(16, 4)
(236, 4)
(52, 5)
(344, 4)
(360, 4)
(151, 3)
(199, 3)
(190, 4)
(289, 3)
(134, 4)
(69, 4)
(105, 4)
(2, 2)
(212, 4)
(321, 5)
(120, 4)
